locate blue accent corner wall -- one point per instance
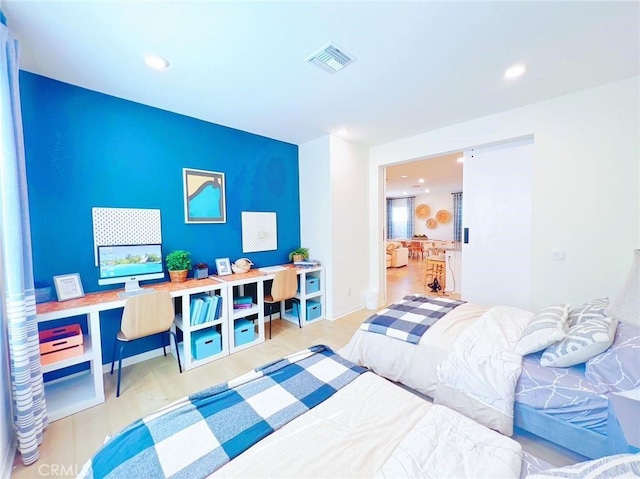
(85, 149)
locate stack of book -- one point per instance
(242, 302)
(307, 263)
(204, 308)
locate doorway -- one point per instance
(494, 264)
(419, 199)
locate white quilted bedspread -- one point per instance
(478, 377)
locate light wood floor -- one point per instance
(410, 279)
(149, 385)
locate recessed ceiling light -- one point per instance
(404, 192)
(421, 180)
(426, 190)
(404, 176)
(156, 62)
(515, 71)
(460, 159)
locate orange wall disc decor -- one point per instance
(443, 216)
(423, 211)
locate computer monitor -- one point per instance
(129, 264)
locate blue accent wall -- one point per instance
(85, 149)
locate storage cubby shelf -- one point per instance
(86, 356)
(70, 394)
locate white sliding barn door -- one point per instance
(496, 216)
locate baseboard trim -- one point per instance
(7, 465)
(275, 315)
(138, 358)
(345, 313)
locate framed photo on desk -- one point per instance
(68, 286)
(223, 266)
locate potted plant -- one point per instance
(201, 270)
(178, 265)
(299, 254)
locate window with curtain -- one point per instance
(19, 337)
(457, 218)
(400, 219)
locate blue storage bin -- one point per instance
(205, 343)
(312, 284)
(243, 332)
(314, 309)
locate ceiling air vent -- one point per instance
(331, 58)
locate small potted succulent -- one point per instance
(178, 265)
(201, 270)
(299, 254)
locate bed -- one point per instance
(313, 414)
(559, 404)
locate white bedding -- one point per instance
(479, 375)
(445, 444)
(412, 365)
(374, 428)
(465, 361)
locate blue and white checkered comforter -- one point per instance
(409, 318)
(194, 436)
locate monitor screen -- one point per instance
(121, 263)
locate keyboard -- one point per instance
(136, 292)
(271, 269)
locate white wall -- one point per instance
(435, 201)
(349, 183)
(315, 213)
(333, 218)
(586, 182)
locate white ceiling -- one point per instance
(420, 65)
(440, 174)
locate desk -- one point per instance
(71, 394)
(256, 276)
(68, 395)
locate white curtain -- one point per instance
(18, 308)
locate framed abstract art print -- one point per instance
(204, 196)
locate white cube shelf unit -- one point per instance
(303, 296)
(183, 322)
(76, 392)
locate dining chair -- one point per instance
(415, 248)
(143, 316)
(283, 287)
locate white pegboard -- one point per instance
(125, 226)
(259, 231)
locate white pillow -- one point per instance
(593, 309)
(583, 342)
(545, 328)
